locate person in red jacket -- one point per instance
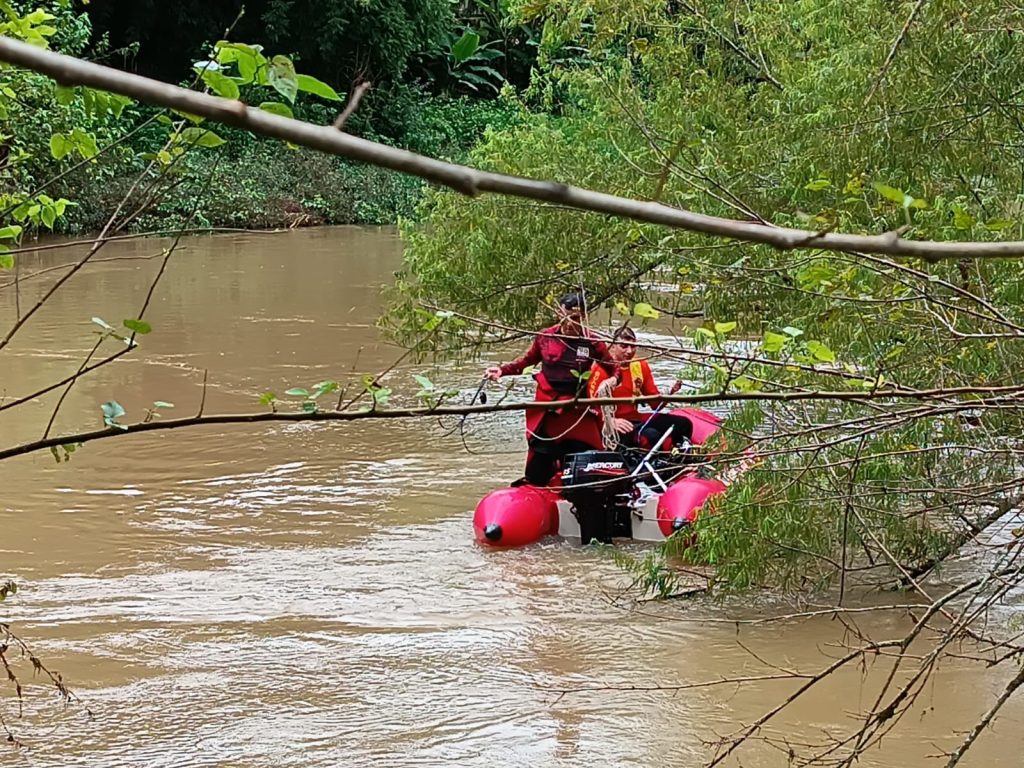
(632, 379)
(565, 353)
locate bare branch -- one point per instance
(469, 181)
(352, 106)
(1011, 687)
(892, 51)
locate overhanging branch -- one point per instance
(1011, 392)
(71, 71)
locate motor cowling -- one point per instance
(598, 485)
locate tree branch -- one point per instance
(892, 51)
(458, 410)
(469, 181)
(352, 106)
(1011, 687)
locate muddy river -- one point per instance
(311, 594)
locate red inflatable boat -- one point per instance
(604, 495)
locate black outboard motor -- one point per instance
(599, 487)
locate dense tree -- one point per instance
(339, 41)
(869, 118)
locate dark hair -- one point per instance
(624, 332)
(573, 301)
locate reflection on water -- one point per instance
(310, 595)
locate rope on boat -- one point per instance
(608, 434)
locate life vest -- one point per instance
(636, 377)
(563, 362)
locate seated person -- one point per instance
(633, 378)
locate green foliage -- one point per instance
(762, 111)
(63, 453)
(7, 588)
(42, 123)
(368, 39)
(308, 404)
(112, 411)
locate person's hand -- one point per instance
(623, 426)
(675, 386)
(493, 373)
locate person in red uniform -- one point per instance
(565, 353)
(633, 378)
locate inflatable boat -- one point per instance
(606, 495)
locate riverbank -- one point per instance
(256, 183)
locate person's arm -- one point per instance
(532, 357)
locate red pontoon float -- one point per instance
(606, 494)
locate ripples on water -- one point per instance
(310, 595)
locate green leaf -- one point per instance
(112, 409)
(622, 308)
(111, 412)
(995, 225)
(60, 146)
(118, 103)
(773, 342)
(745, 384)
(915, 202)
(6, 261)
(309, 407)
(817, 185)
(64, 94)
(324, 388)
(201, 137)
(197, 119)
(646, 310)
(221, 84)
(277, 108)
(821, 352)
(890, 193)
(423, 381)
(309, 84)
(162, 404)
(702, 331)
(789, 330)
(725, 328)
(247, 57)
(465, 46)
(297, 392)
(282, 77)
(962, 219)
(10, 232)
(85, 143)
(103, 323)
(140, 327)
(48, 215)
(267, 398)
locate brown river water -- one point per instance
(311, 594)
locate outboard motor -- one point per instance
(599, 487)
